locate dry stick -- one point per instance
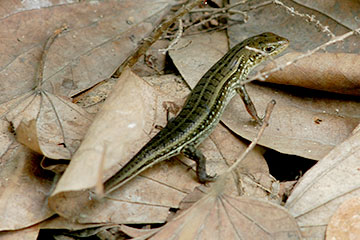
(307, 17)
(176, 40)
(264, 75)
(131, 60)
(40, 70)
(268, 111)
(218, 188)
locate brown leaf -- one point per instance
(99, 38)
(221, 216)
(325, 186)
(24, 188)
(345, 224)
(303, 123)
(343, 13)
(332, 72)
(57, 222)
(304, 32)
(138, 233)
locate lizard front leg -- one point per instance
(250, 107)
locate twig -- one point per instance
(131, 60)
(40, 70)
(307, 17)
(268, 111)
(264, 75)
(176, 40)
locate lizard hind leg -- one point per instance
(196, 155)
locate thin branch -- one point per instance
(309, 18)
(268, 112)
(176, 40)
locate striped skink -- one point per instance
(203, 109)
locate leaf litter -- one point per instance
(23, 127)
(45, 122)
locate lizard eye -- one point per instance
(269, 49)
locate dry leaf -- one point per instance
(57, 222)
(303, 123)
(220, 216)
(325, 186)
(24, 188)
(30, 233)
(99, 38)
(138, 233)
(305, 32)
(345, 223)
(340, 10)
(47, 124)
(332, 72)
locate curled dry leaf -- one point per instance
(332, 72)
(124, 124)
(325, 186)
(345, 224)
(221, 216)
(304, 123)
(47, 124)
(24, 188)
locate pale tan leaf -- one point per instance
(325, 186)
(345, 223)
(47, 124)
(30, 233)
(220, 216)
(332, 72)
